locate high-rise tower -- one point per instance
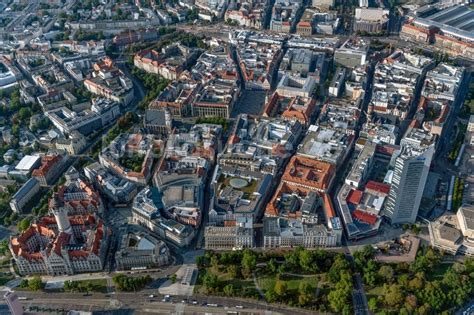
(411, 165)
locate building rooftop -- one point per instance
(306, 172)
(457, 21)
(28, 162)
(329, 145)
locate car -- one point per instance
(195, 302)
(239, 306)
(151, 296)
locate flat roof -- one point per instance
(27, 162)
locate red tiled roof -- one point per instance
(385, 149)
(304, 24)
(376, 186)
(47, 163)
(364, 217)
(354, 196)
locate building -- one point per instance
(370, 20)
(131, 156)
(24, 195)
(340, 114)
(158, 121)
(465, 216)
(470, 125)
(291, 109)
(446, 233)
(292, 86)
(74, 144)
(411, 164)
(170, 62)
(244, 17)
(115, 188)
(68, 121)
(453, 29)
(304, 28)
(76, 196)
(8, 80)
(411, 32)
(235, 235)
(26, 166)
(442, 82)
(216, 99)
(352, 53)
(309, 173)
(109, 82)
(146, 211)
(50, 169)
(302, 62)
(300, 217)
(337, 84)
(175, 98)
(256, 61)
(139, 250)
(362, 166)
(322, 3)
(327, 145)
(60, 245)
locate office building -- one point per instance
(411, 164)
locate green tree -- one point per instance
(339, 265)
(211, 282)
(249, 263)
(233, 271)
(370, 274)
(306, 260)
(393, 295)
(415, 284)
(305, 293)
(281, 288)
(386, 273)
(35, 283)
(373, 304)
(270, 295)
(229, 290)
(433, 295)
(24, 113)
(23, 225)
(24, 283)
(272, 266)
(338, 299)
